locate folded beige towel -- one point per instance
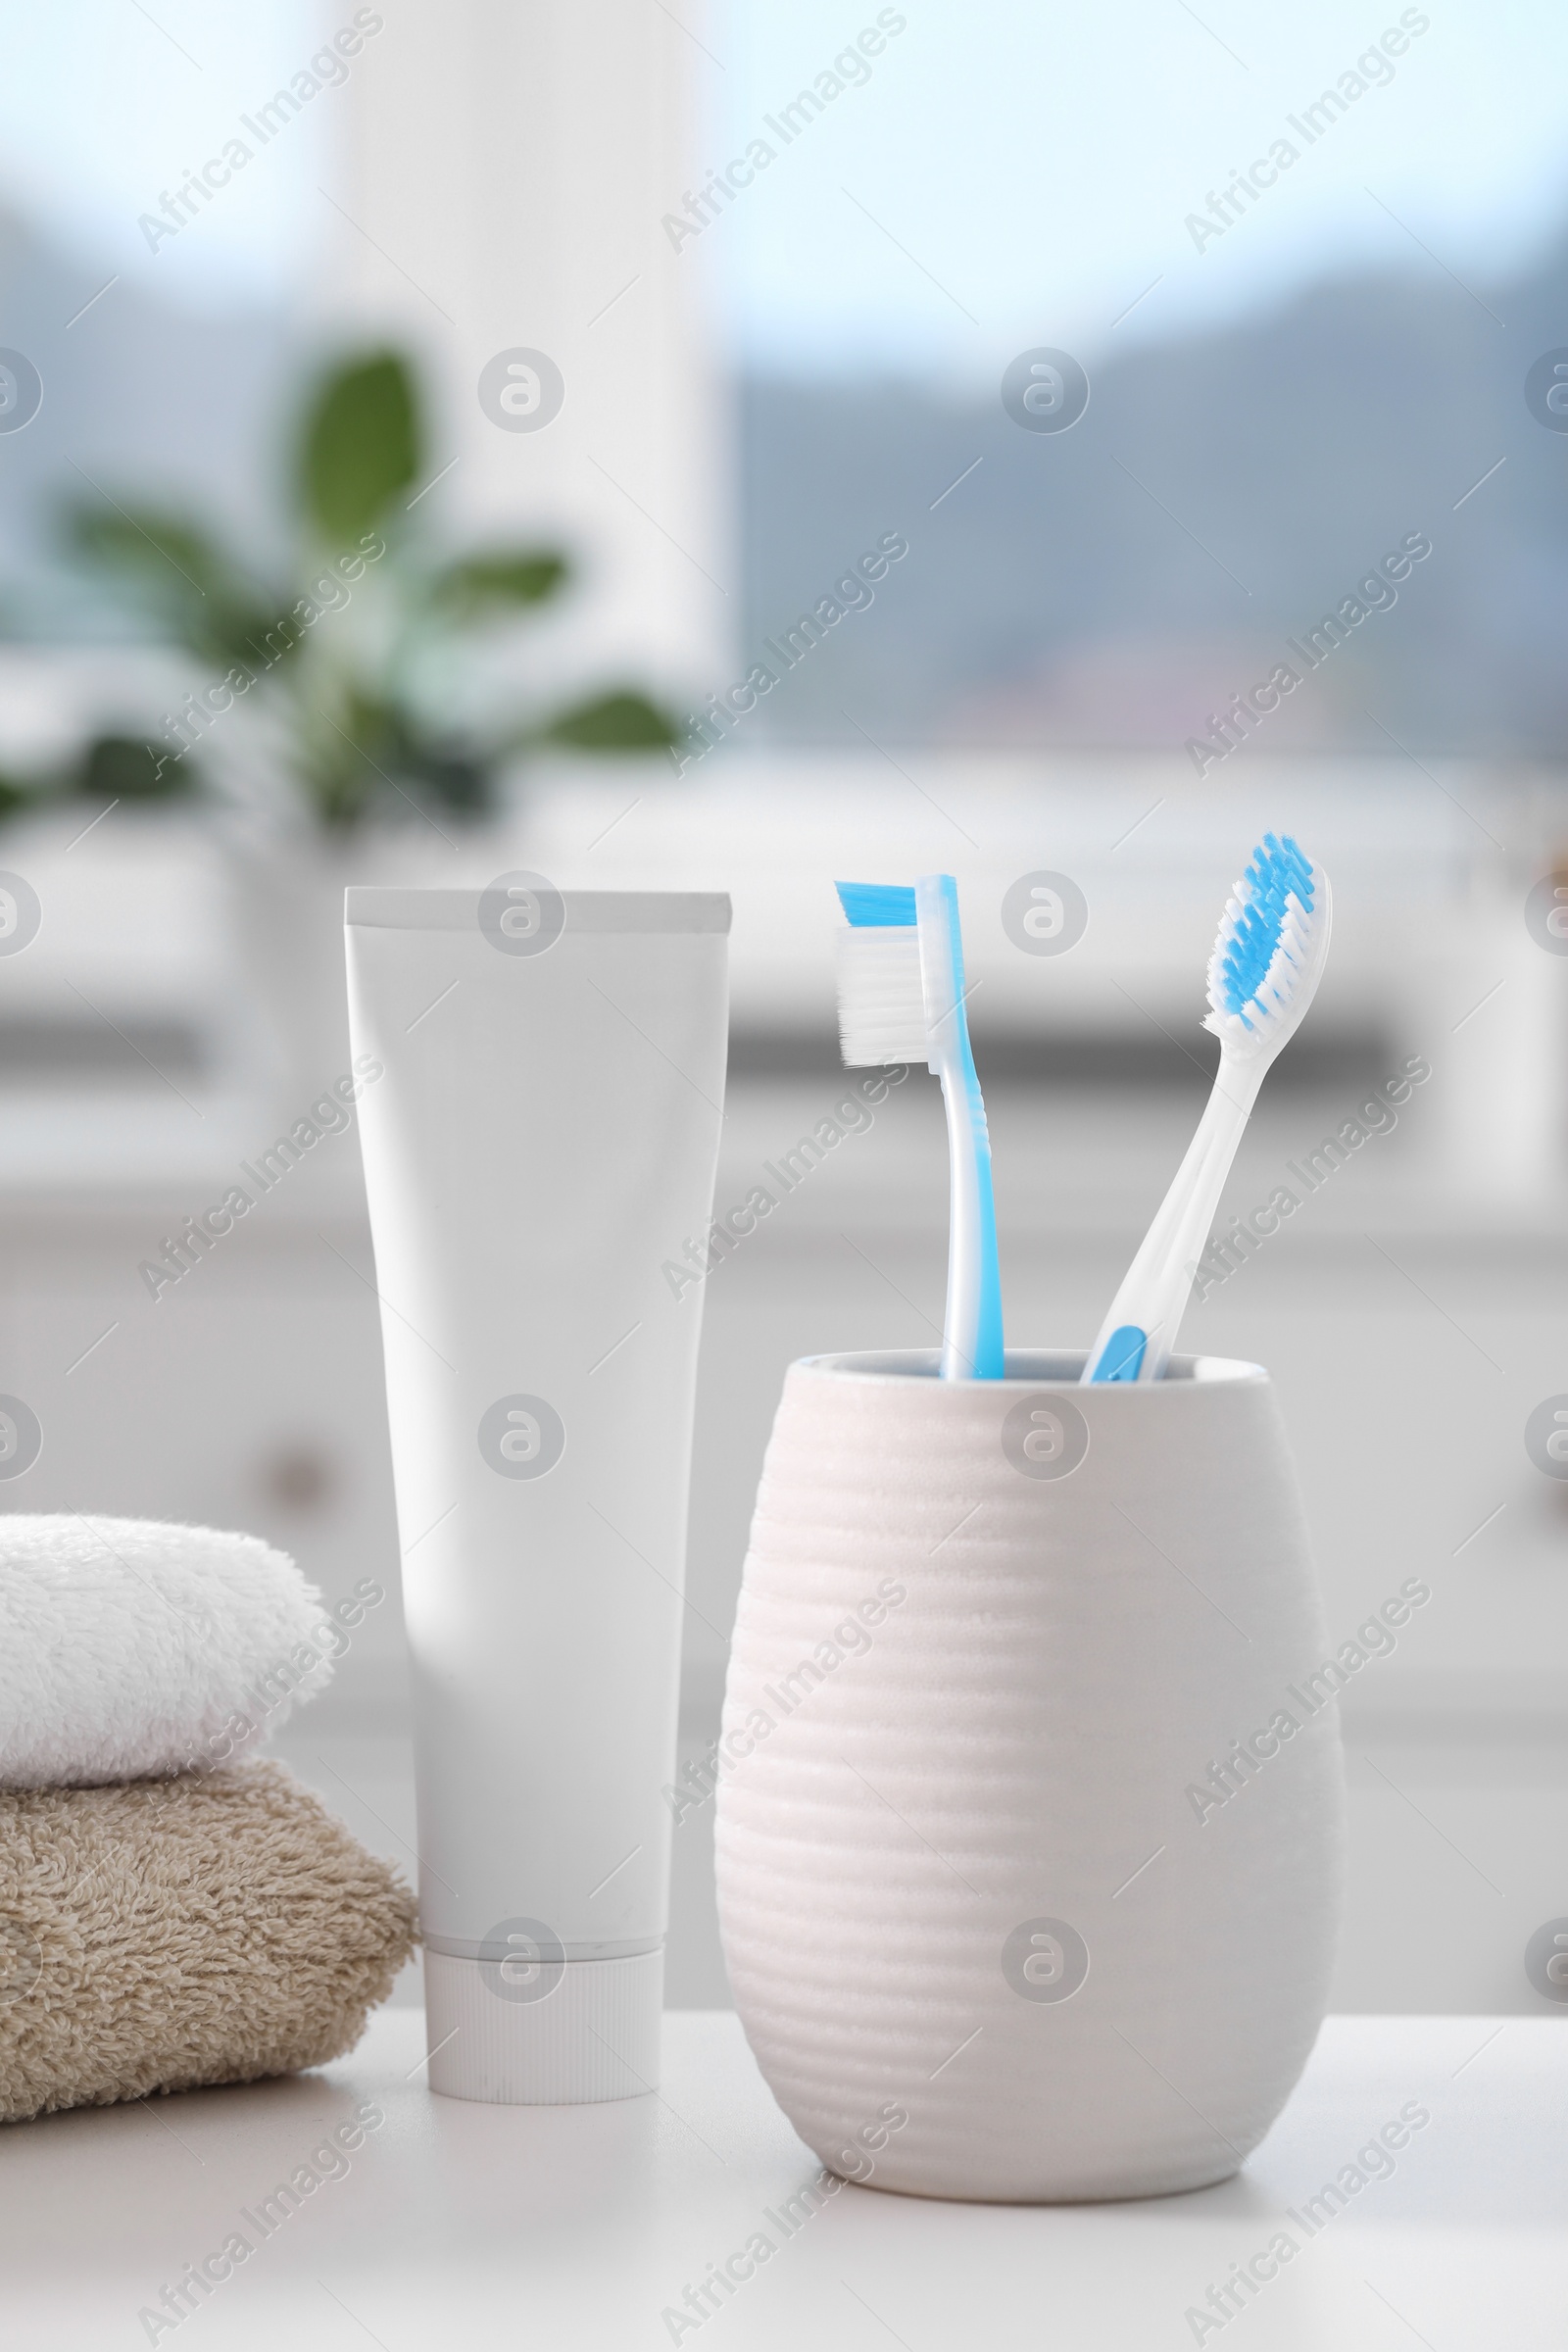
(164, 1933)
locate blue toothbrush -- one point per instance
(901, 999)
(1267, 961)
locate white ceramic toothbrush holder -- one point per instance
(1029, 1832)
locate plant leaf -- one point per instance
(359, 446)
(18, 793)
(503, 577)
(143, 540)
(613, 722)
(460, 781)
(124, 767)
(173, 574)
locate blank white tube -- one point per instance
(543, 1141)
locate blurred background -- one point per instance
(416, 428)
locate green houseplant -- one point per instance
(352, 691)
(363, 659)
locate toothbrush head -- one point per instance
(881, 995)
(1269, 956)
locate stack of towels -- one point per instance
(173, 1911)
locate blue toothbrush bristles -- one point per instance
(872, 905)
(1278, 870)
(1261, 950)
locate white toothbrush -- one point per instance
(1268, 958)
(901, 999)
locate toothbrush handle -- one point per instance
(971, 1332)
(971, 1339)
(1135, 1339)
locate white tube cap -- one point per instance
(594, 2035)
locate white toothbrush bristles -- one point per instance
(881, 999)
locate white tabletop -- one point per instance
(583, 2227)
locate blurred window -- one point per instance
(1306, 265)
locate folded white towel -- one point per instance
(129, 1650)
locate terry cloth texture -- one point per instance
(215, 1928)
(127, 1649)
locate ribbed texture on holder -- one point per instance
(983, 1941)
(594, 2037)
